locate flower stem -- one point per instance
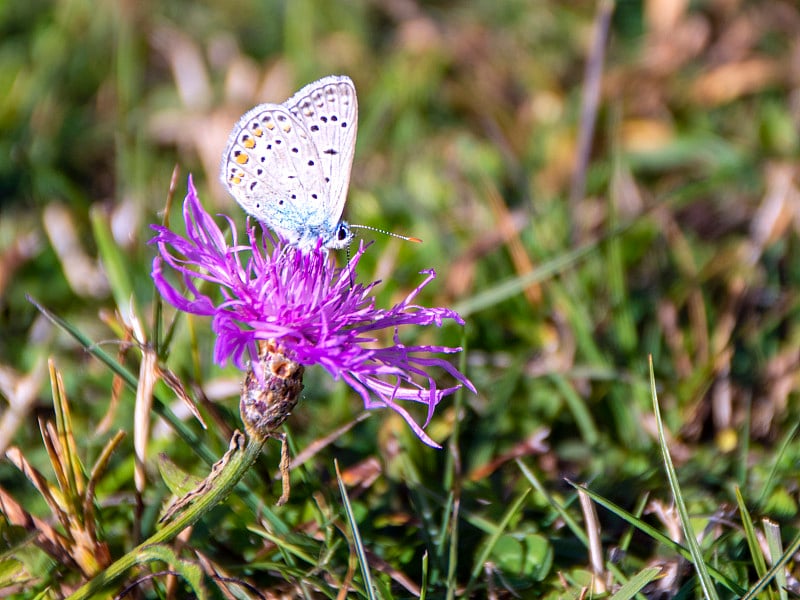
(239, 458)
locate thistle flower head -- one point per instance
(298, 300)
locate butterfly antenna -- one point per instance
(389, 233)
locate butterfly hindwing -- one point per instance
(289, 164)
(329, 110)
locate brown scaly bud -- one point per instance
(271, 390)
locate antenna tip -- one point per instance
(416, 240)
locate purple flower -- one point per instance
(316, 312)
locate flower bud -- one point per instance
(270, 391)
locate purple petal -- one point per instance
(319, 314)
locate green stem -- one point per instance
(240, 458)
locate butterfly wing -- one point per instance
(272, 168)
(328, 108)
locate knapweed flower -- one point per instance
(298, 300)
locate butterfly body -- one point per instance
(288, 165)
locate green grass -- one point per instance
(683, 247)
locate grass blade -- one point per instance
(490, 543)
(709, 591)
(636, 583)
(351, 519)
(658, 536)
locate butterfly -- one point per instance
(288, 165)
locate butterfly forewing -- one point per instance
(329, 110)
(272, 168)
(289, 164)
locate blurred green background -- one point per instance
(575, 242)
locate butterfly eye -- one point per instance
(343, 232)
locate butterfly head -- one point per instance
(307, 238)
(341, 236)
